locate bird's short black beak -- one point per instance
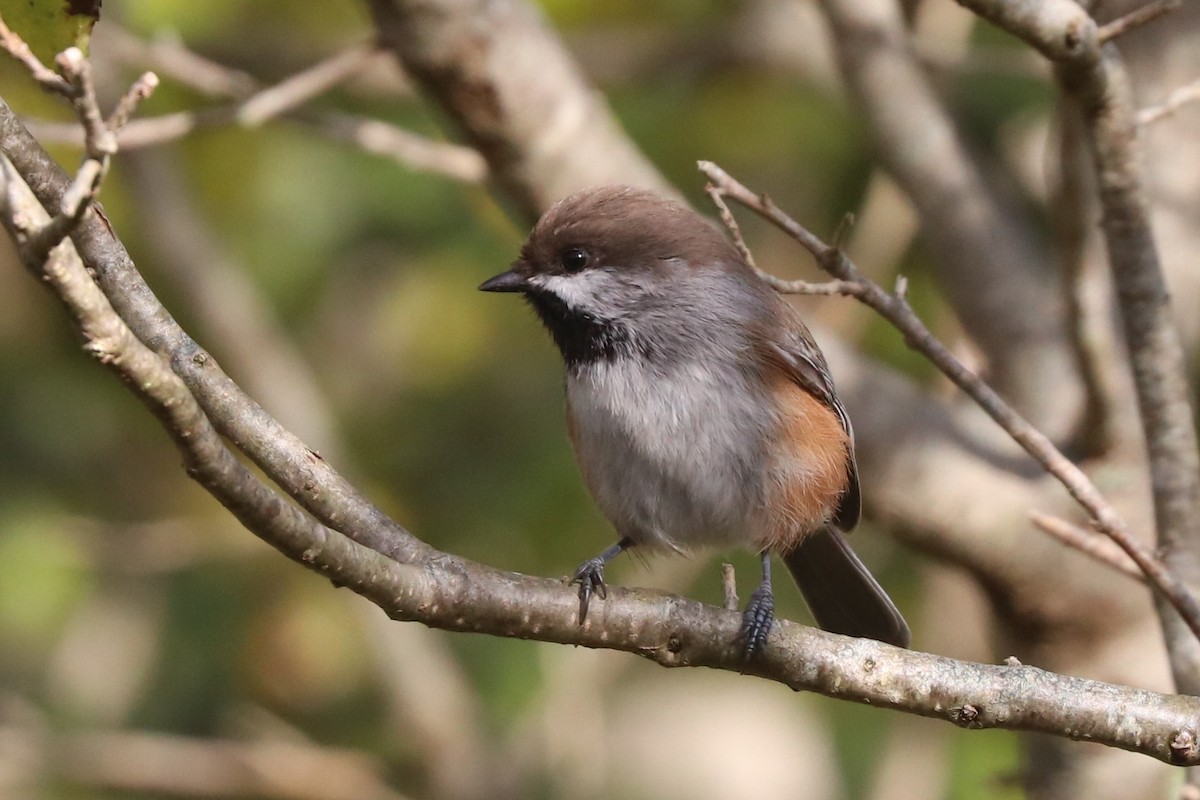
(511, 281)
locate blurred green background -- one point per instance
(132, 604)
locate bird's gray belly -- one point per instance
(670, 459)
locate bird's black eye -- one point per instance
(574, 259)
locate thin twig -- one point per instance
(298, 89)
(99, 135)
(1177, 99)
(824, 289)
(408, 149)
(138, 92)
(16, 47)
(735, 230)
(897, 311)
(1136, 19)
(256, 105)
(729, 587)
(1088, 542)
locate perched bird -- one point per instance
(700, 409)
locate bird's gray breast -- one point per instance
(672, 453)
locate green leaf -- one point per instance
(51, 26)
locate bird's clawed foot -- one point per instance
(756, 621)
(590, 577)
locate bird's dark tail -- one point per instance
(841, 592)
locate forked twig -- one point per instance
(74, 81)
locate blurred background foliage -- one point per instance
(130, 601)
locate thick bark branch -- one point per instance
(112, 343)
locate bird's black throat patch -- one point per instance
(582, 338)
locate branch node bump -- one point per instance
(1184, 747)
(966, 716)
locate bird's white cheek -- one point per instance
(585, 291)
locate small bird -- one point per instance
(700, 409)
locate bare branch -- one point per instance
(1089, 306)
(16, 47)
(1136, 19)
(303, 86)
(99, 135)
(141, 89)
(1176, 100)
(98, 141)
(1089, 542)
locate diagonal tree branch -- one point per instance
(895, 309)
(112, 343)
(301, 472)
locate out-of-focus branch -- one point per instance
(1142, 15)
(514, 93)
(1093, 77)
(298, 89)
(895, 309)
(257, 104)
(1089, 542)
(984, 253)
(161, 764)
(1155, 350)
(1088, 306)
(1176, 100)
